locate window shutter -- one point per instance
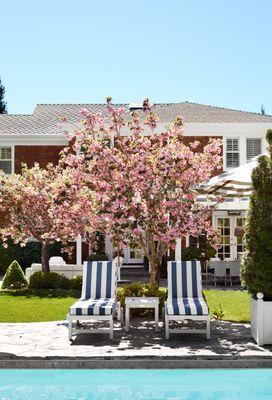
(232, 153)
(254, 148)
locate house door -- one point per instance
(232, 246)
(133, 256)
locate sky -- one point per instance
(214, 52)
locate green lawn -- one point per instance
(35, 309)
(235, 304)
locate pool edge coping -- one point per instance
(137, 363)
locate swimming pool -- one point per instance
(138, 384)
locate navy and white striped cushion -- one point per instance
(188, 306)
(184, 279)
(185, 289)
(99, 280)
(94, 307)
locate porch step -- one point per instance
(129, 271)
(132, 266)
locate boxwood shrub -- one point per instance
(139, 289)
(76, 283)
(48, 280)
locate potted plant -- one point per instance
(256, 269)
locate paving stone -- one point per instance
(50, 340)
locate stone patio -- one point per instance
(49, 341)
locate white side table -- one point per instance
(142, 302)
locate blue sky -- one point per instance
(61, 51)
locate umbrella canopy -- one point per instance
(233, 183)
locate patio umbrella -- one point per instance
(233, 183)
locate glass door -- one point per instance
(223, 232)
(231, 246)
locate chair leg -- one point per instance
(166, 322)
(111, 328)
(120, 313)
(127, 319)
(208, 327)
(70, 325)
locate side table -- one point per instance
(142, 302)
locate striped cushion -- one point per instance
(184, 279)
(188, 306)
(93, 307)
(99, 280)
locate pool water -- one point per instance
(135, 384)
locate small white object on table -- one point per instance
(142, 302)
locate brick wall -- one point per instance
(31, 154)
(203, 141)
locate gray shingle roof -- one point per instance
(46, 117)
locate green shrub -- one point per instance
(76, 283)
(256, 269)
(14, 277)
(138, 289)
(218, 312)
(48, 280)
(98, 257)
(191, 253)
(31, 253)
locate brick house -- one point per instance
(40, 136)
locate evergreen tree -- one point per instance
(14, 277)
(3, 104)
(257, 261)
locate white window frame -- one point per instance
(254, 138)
(235, 151)
(11, 146)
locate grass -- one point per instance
(235, 304)
(33, 309)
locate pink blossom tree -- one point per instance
(145, 183)
(46, 204)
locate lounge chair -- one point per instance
(98, 299)
(185, 298)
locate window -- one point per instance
(223, 231)
(232, 153)
(6, 159)
(253, 148)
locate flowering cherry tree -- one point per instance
(145, 183)
(46, 204)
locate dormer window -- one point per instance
(135, 107)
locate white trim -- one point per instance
(79, 250)
(31, 140)
(178, 249)
(12, 159)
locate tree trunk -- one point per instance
(45, 256)
(155, 273)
